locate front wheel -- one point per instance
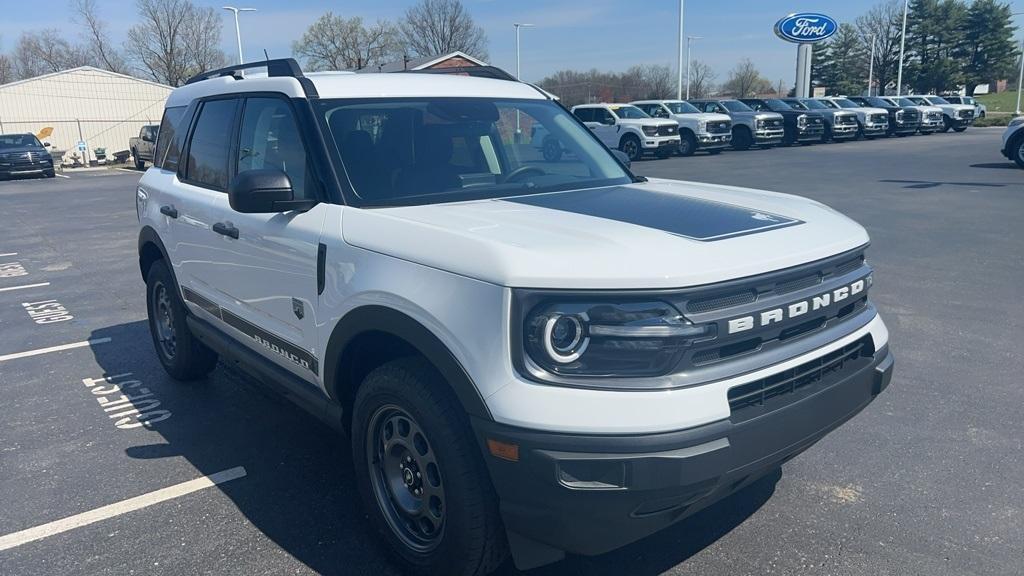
(826, 135)
(742, 139)
(1018, 155)
(946, 125)
(687, 144)
(630, 145)
(182, 355)
(420, 473)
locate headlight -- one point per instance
(702, 125)
(651, 130)
(607, 338)
(802, 120)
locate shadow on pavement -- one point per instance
(299, 490)
(998, 165)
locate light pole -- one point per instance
(518, 25)
(871, 65)
(903, 41)
(238, 32)
(688, 40)
(1020, 75)
(679, 68)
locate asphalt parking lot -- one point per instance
(927, 480)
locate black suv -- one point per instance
(23, 154)
(903, 120)
(800, 125)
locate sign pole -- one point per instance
(803, 70)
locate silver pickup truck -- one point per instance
(749, 128)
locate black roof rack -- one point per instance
(287, 67)
(492, 72)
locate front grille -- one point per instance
(966, 114)
(879, 118)
(778, 390)
(720, 127)
(770, 123)
(668, 130)
(814, 121)
(846, 120)
(23, 158)
(935, 116)
(719, 301)
(910, 116)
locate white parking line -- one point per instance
(25, 286)
(61, 176)
(9, 254)
(130, 170)
(118, 508)
(39, 351)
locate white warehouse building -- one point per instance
(100, 108)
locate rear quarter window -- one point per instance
(169, 141)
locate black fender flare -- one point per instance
(148, 235)
(373, 318)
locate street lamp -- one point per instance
(238, 33)
(679, 68)
(1020, 75)
(688, 40)
(871, 65)
(903, 40)
(519, 25)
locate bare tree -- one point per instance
(175, 40)
(6, 69)
(435, 27)
(745, 80)
(652, 81)
(883, 23)
(97, 42)
(702, 79)
(46, 51)
(337, 43)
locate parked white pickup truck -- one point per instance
(630, 129)
(697, 130)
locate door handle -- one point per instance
(225, 230)
(169, 211)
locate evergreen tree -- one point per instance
(935, 36)
(988, 51)
(841, 63)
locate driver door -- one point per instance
(603, 126)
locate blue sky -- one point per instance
(583, 34)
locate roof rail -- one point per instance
(287, 67)
(492, 72)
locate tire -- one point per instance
(741, 138)
(452, 525)
(687, 144)
(946, 125)
(1018, 155)
(182, 355)
(959, 128)
(860, 132)
(631, 146)
(551, 149)
(140, 164)
(981, 114)
(49, 173)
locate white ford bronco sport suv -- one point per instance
(528, 357)
(630, 129)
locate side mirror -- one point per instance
(264, 191)
(46, 144)
(621, 157)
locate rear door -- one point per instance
(266, 277)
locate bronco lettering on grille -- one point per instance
(799, 308)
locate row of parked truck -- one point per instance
(667, 127)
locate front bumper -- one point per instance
(713, 141)
(659, 143)
(905, 128)
(843, 131)
(25, 169)
(588, 495)
(960, 122)
(874, 129)
(931, 126)
(769, 135)
(810, 133)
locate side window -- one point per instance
(168, 142)
(603, 116)
(270, 139)
(585, 114)
(208, 149)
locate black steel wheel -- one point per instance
(630, 145)
(406, 478)
(182, 355)
(421, 473)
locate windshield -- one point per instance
(844, 103)
(968, 100)
(429, 150)
(628, 112)
(19, 141)
(906, 102)
(777, 105)
(878, 102)
(736, 106)
(936, 100)
(814, 105)
(796, 105)
(682, 108)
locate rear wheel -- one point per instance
(420, 473)
(552, 150)
(741, 138)
(182, 355)
(139, 162)
(630, 145)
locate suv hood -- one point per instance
(647, 122)
(703, 117)
(657, 234)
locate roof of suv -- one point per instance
(388, 85)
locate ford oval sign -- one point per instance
(805, 28)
